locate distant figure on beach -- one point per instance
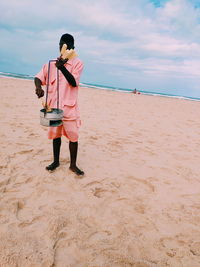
(136, 92)
(69, 75)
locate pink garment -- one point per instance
(69, 129)
(68, 96)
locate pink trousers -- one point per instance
(68, 129)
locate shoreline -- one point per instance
(85, 85)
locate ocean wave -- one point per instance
(102, 87)
(141, 91)
(16, 75)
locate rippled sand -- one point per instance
(139, 202)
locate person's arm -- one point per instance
(68, 76)
(38, 84)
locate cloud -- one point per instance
(157, 38)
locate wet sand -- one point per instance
(139, 201)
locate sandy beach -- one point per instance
(139, 201)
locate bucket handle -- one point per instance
(47, 88)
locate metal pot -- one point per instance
(52, 118)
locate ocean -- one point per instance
(103, 87)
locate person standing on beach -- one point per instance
(135, 92)
(69, 76)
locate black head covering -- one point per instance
(67, 39)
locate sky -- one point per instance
(151, 45)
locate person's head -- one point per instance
(67, 39)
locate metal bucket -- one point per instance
(52, 118)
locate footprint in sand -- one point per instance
(99, 235)
(140, 208)
(25, 214)
(101, 192)
(91, 184)
(20, 206)
(4, 181)
(146, 184)
(4, 162)
(93, 137)
(172, 244)
(25, 151)
(195, 249)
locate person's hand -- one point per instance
(68, 54)
(60, 62)
(39, 92)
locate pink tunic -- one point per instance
(68, 95)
